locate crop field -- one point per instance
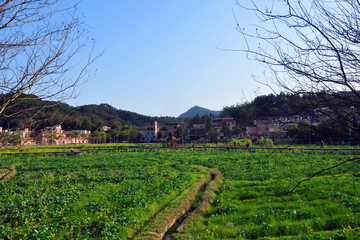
(122, 146)
(67, 148)
(132, 195)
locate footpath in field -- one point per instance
(157, 227)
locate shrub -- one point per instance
(263, 142)
(241, 142)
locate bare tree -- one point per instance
(312, 48)
(38, 40)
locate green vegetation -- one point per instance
(267, 106)
(90, 196)
(88, 117)
(265, 142)
(119, 195)
(68, 148)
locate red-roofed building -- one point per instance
(106, 128)
(62, 138)
(28, 141)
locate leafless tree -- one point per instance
(38, 42)
(312, 49)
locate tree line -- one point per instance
(91, 117)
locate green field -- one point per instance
(124, 195)
(67, 148)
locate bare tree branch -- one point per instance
(321, 171)
(38, 40)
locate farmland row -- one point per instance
(117, 195)
(91, 196)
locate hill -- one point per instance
(199, 110)
(90, 117)
(265, 106)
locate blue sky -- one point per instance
(163, 57)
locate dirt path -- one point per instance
(165, 220)
(205, 199)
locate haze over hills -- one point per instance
(199, 110)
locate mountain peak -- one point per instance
(199, 110)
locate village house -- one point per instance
(49, 135)
(57, 136)
(281, 121)
(54, 129)
(275, 124)
(84, 131)
(27, 141)
(106, 128)
(24, 133)
(257, 129)
(218, 122)
(197, 132)
(149, 131)
(171, 127)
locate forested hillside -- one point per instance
(90, 117)
(267, 106)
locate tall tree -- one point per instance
(226, 130)
(237, 130)
(35, 54)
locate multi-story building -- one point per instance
(257, 129)
(219, 122)
(171, 127)
(54, 129)
(198, 131)
(274, 124)
(281, 121)
(149, 130)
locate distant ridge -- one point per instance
(199, 110)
